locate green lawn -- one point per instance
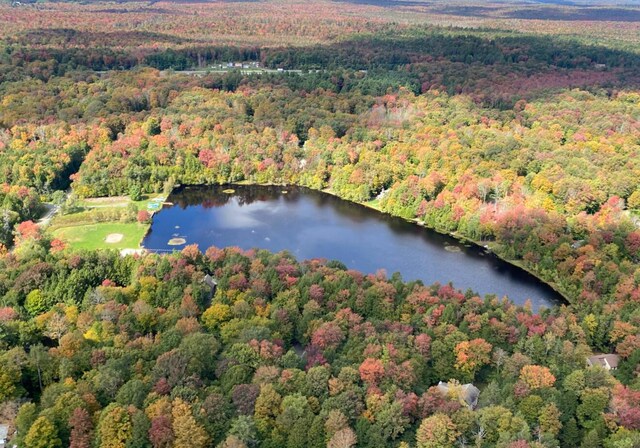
(101, 217)
(93, 236)
(119, 201)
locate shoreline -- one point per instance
(458, 237)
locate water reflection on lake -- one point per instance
(311, 224)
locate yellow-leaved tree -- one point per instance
(188, 433)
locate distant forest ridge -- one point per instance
(563, 10)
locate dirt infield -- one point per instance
(113, 238)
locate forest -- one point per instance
(518, 133)
(140, 352)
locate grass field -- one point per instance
(119, 201)
(93, 236)
(100, 217)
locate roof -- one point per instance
(210, 281)
(4, 432)
(468, 392)
(608, 361)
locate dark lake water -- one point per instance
(311, 224)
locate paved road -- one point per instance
(51, 211)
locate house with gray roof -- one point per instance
(212, 283)
(468, 393)
(608, 361)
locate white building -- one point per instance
(4, 435)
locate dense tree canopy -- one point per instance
(526, 142)
(289, 364)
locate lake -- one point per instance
(312, 224)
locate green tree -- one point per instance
(27, 414)
(114, 427)
(570, 435)
(316, 382)
(623, 438)
(36, 303)
(549, 420)
(592, 404)
(530, 408)
(140, 426)
(591, 440)
(437, 431)
(200, 350)
(267, 408)
(634, 200)
(42, 434)
(293, 408)
(443, 354)
(390, 420)
(298, 433)
(135, 192)
(133, 392)
(316, 433)
(244, 428)
(492, 420)
(152, 126)
(8, 378)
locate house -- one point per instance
(467, 393)
(4, 435)
(578, 244)
(212, 283)
(608, 361)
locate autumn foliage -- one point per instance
(537, 377)
(503, 134)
